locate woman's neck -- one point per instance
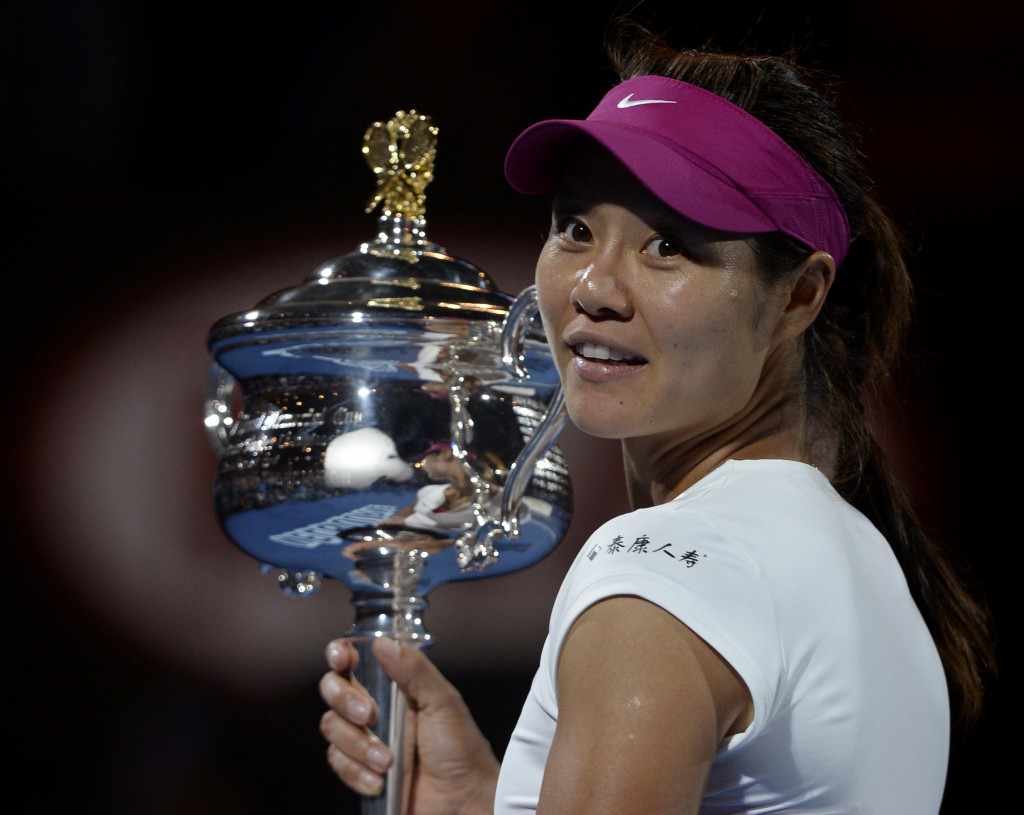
(657, 470)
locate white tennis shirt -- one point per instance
(805, 599)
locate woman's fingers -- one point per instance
(341, 656)
(451, 764)
(346, 698)
(355, 754)
(340, 689)
(416, 675)
(358, 757)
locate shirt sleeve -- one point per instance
(681, 562)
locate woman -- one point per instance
(769, 630)
(447, 500)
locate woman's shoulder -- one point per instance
(740, 522)
(755, 488)
(761, 476)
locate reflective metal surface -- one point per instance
(389, 422)
(384, 420)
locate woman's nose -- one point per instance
(600, 292)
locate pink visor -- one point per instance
(703, 156)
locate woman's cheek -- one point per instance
(550, 298)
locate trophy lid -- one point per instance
(400, 275)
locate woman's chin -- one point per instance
(600, 425)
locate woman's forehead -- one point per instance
(593, 176)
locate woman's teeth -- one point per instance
(593, 350)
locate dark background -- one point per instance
(166, 164)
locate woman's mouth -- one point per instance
(605, 353)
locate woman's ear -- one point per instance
(806, 288)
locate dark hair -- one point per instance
(852, 346)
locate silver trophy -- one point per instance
(390, 422)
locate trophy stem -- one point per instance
(389, 728)
(390, 606)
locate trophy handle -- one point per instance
(220, 387)
(476, 549)
(513, 331)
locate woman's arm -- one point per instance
(643, 705)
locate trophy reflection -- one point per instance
(396, 427)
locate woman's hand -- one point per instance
(451, 765)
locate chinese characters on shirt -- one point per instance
(642, 546)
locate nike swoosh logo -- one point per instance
(629, 102)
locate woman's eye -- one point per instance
(664, 246)
(573, 229)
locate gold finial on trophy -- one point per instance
(401, 154)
